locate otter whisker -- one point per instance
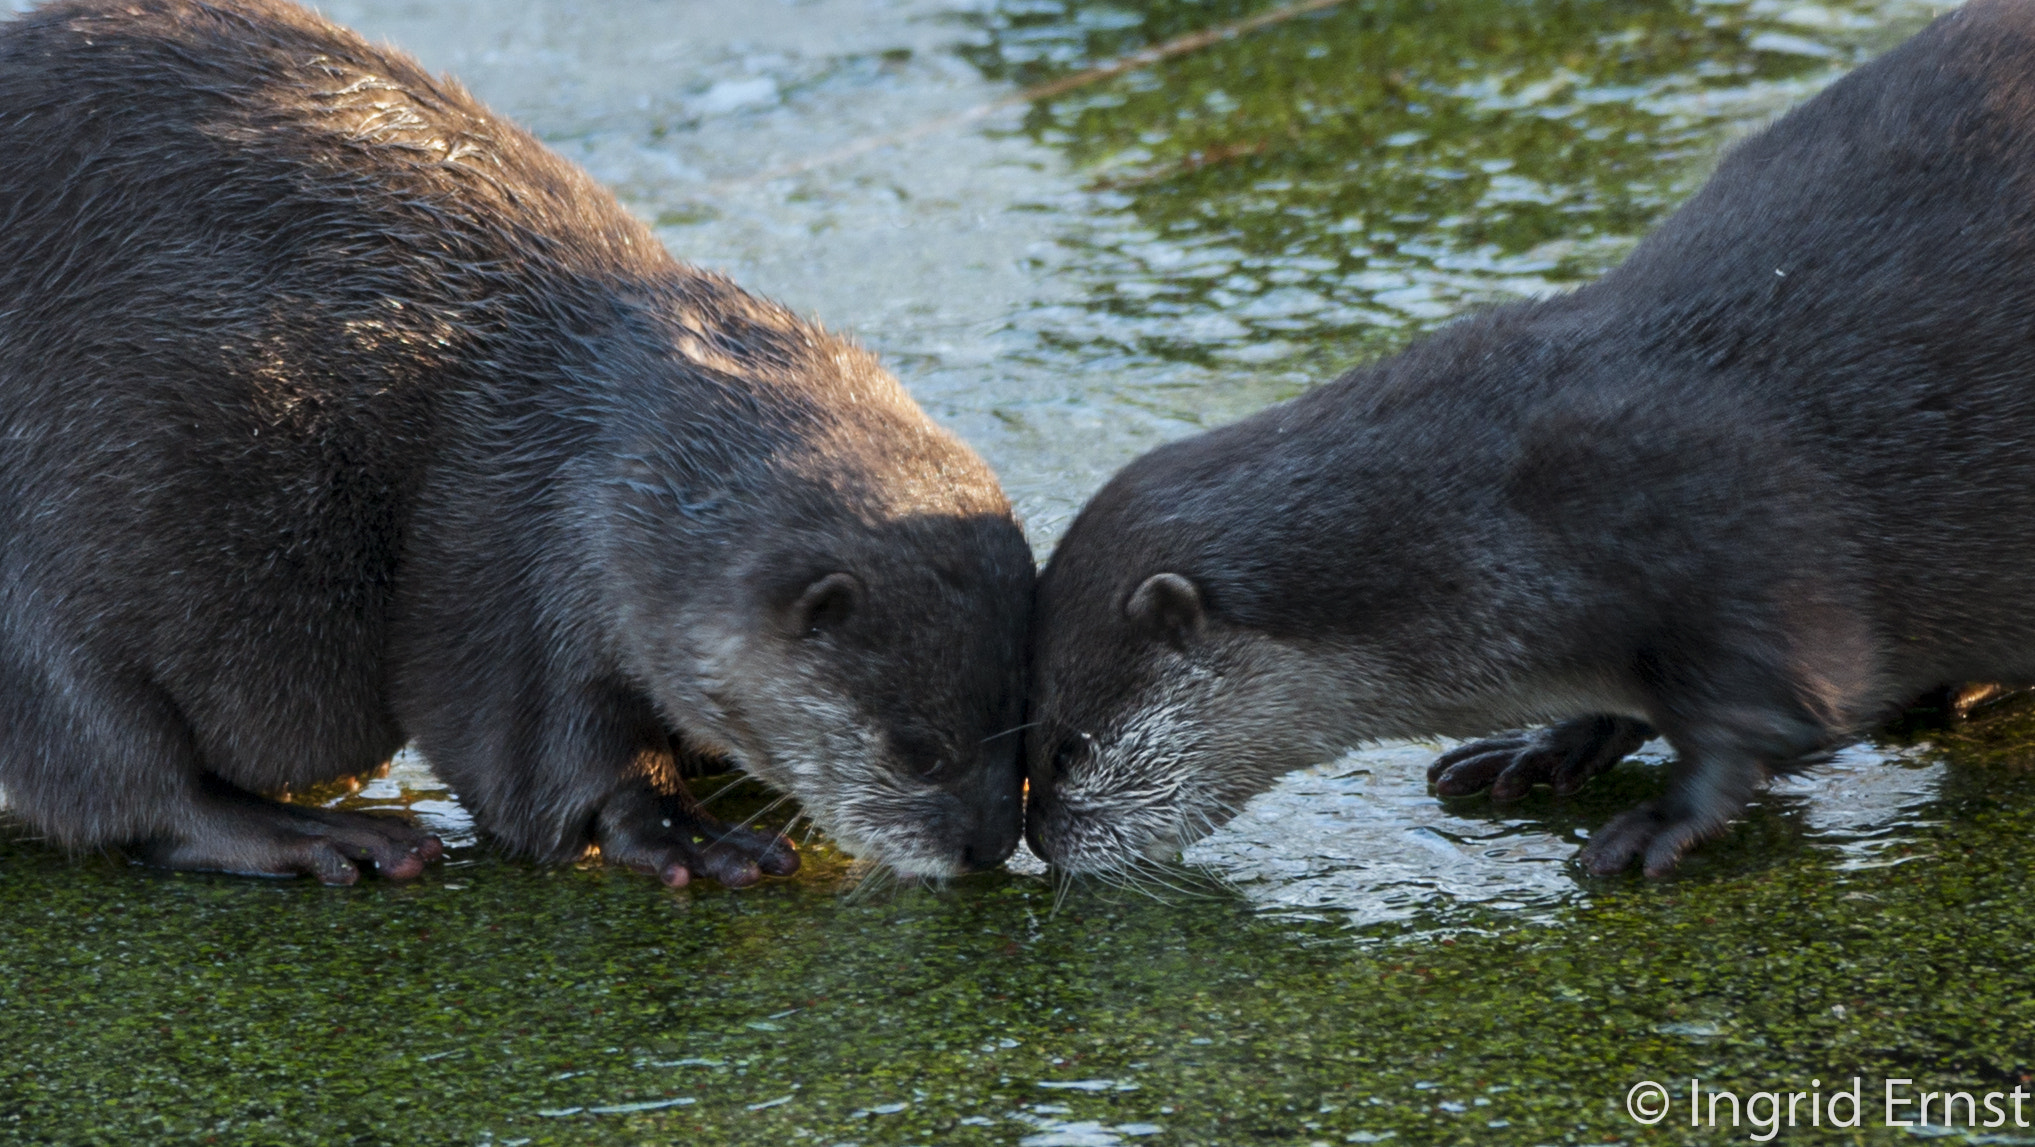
(858, 876)
(1193, 882)
(878, 877)
(1009, 731)
(1141, 878)
(791, 825)
(717, 794)
(742, 824)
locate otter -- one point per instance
(1750, 491)
(338, 413)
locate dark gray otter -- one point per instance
(336, 412)
(1758, 486)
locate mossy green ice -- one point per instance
(495, 1001)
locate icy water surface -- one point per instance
(1068, 281)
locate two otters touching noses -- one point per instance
(340, 413)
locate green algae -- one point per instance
(1318, 192)
(494, 1002)
(1273, 183)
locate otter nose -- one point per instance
(994, 838)
(991, 812)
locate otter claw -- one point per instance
(1564, 756)
(1473, 767)
(654, 834)
(242, 833)
(739, 857)
(1645, 834)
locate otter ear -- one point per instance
(825, 604)
(1166, 607)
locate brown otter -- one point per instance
(338, 412)
(1760, 484)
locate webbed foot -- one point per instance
(1648, 834)
(1565, 756)
(669, 837)
(241, 833)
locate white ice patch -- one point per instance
(1025, 862)
(1082, 1133)
(408, 772)
(1363, 835)
(733, 95)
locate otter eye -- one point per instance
(921, 754)
(825, 604)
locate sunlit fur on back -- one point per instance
(339, 412)
(1757, 487)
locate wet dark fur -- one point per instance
(339, 412)
(1754, 489)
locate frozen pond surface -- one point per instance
(1067, 282)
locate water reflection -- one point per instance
(1281, 205)
(1363, 837)
(409, 786)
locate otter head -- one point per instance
(1155, 713)
(830, 591)
(1229, 608)
(874, 671)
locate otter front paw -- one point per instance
(1648, 834)
(1564, 756)
(665, 836)
(232, 831)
